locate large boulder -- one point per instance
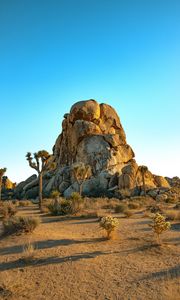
(19, 190)
(92, 134)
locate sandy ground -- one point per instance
(74, 261)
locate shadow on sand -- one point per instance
(49, 244)
(167, 274)
(51, 260)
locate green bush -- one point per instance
(20, 224)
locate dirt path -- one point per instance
(74, 261)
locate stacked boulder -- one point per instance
(92, 134)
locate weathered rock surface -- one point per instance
(92, 134)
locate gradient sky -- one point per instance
(124, 53)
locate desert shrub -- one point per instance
(54, 209)
(148, 214)
(125, 193)
(128, 213)
(89, 214)
(66, 207)
(55, 194)
(76, 196)
(171, 199)
(24, 203)
(133, 205)
(177, 206)
(15, 202)
(45, 209)
(20, 224)
(109, 224)
(159, 225)
(172, 215)
(155, 209)
(120, 208)
(7, 209)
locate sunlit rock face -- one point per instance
(92, 133)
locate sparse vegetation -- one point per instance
(23, 203)
(20, 224)
(109, 224)
(120, 208)
(7, 209)
(133, 205)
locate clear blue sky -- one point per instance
(56, 52)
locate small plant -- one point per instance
(20, 225)
(15, 202)
(128, 213)
(23, 203)
(159, 225)
(76, 196)
(109, 224)
(7, 209)
(133, 205)
(28, 252)
(120, 208)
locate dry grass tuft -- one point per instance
(29, 251)
(23, 203)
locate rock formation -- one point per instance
(92, 133)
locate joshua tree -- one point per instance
(39, 163)
(2, 172)
(143, 170)
(81, 172)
